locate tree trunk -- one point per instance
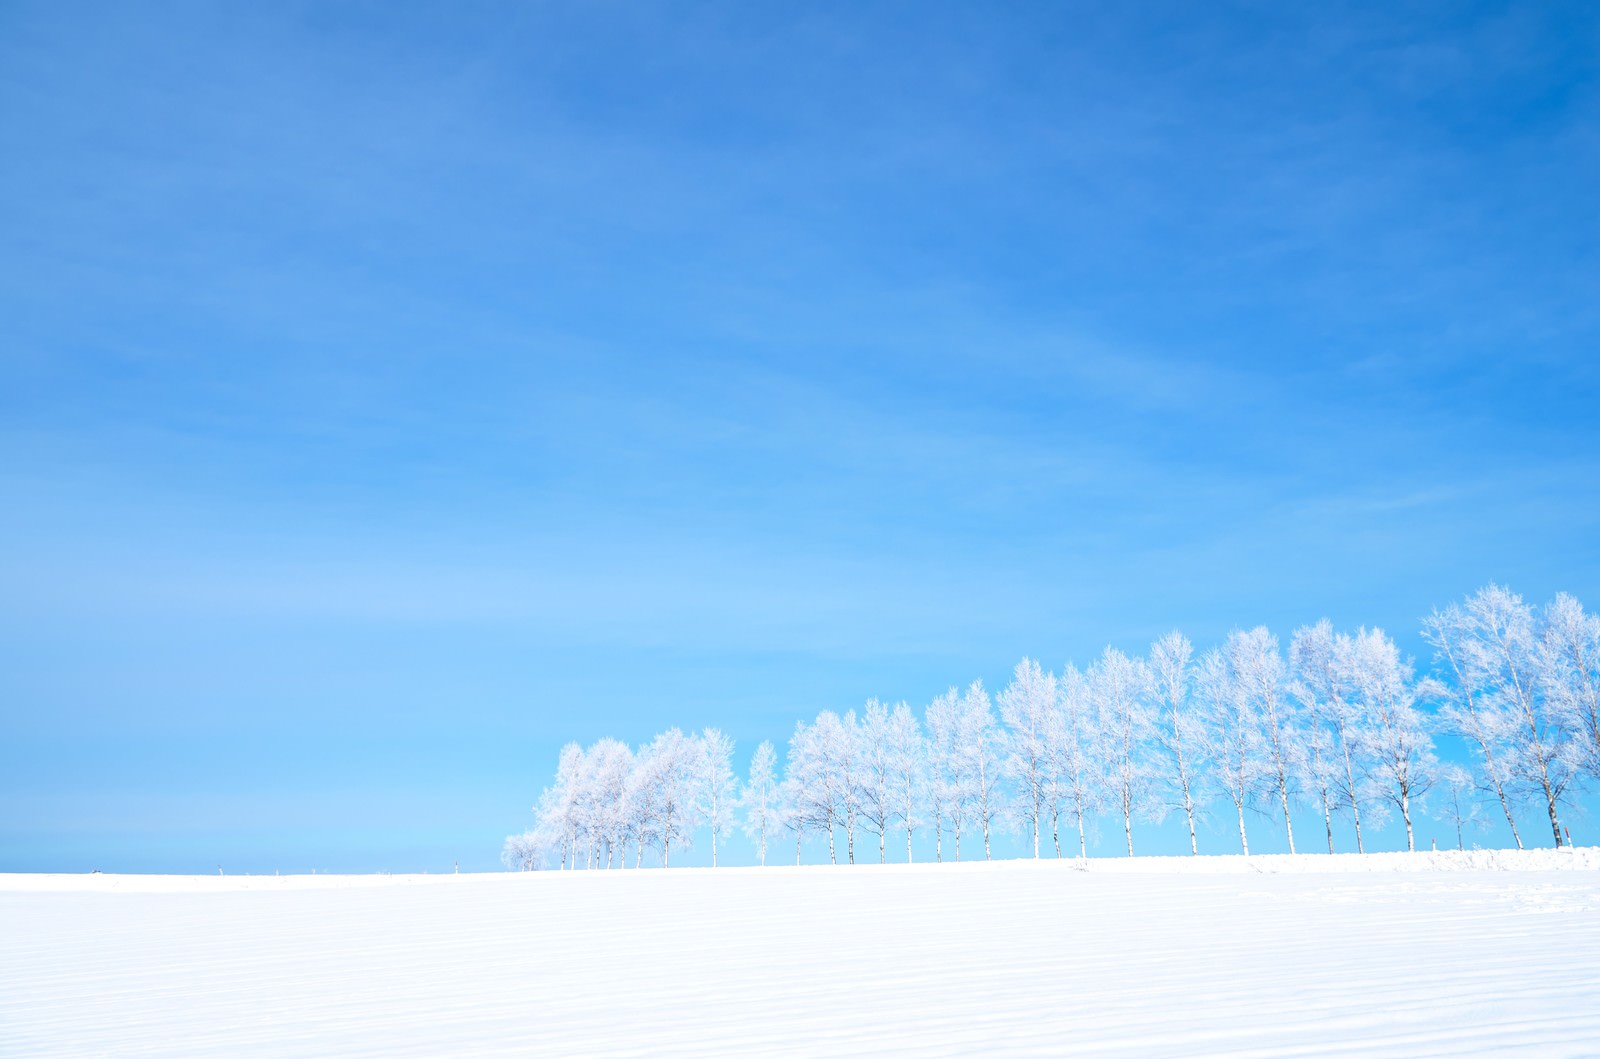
(1544, 771)
(1405, 812)
(1183, 781)
(1244, 840)
(983, 782)
(1505, 807)
(1550, 799)
(1188, 811)
(1499, 788)
(1350, 786)
(1283, 791)
(1271, 700)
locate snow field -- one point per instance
(1423, 954)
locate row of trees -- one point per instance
(1339, 722)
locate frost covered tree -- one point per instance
(1507, 650)
(715, 786)
(1178, 728)
(1460, 804)
(792, 809)
(1345, 720)
(642, 805)
(1323, 664)
(1027, 706)
(811, 799)
(1231, 733)
(945, 771)
(559, 809)
(1072, 743)
(585, 810)
(545, 840)
(1496, 635)
(824, 765)
(1569, 677)
(841, 746)
(1120, 686)
(907, 769)
(760, 798)
(1472, 711)
(523, 852)
(670, 765)
(1395, 732)
(1310, 684)
(876, 769)
(1258, 668)
(610, 763)
(979, 749)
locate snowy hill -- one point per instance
(1424, 954)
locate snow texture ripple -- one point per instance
(1424, 954)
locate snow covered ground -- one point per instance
(1425, 954)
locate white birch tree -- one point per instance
(1258, 668)
(1501, 649)
(841, 744)
(945, 797)
(561, 810)
(1322, 666)
(1026, 706)
(1178, 730)
(642, 805)
(715, 786)
(760, 799)
(1120, 688)
(876, 769)
(1310, 658)
(1073, 742)
(1460, 806)
(1473, 712)
(1569, 677)
(1401, 749)
(1232, 734)
(908, 763)
(610, 763)
(980, 762)
(670, 766)
(810, 783)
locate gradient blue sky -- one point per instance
(391, 393)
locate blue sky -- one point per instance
(390, 394)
